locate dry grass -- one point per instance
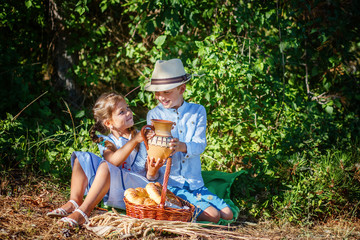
(24, 203)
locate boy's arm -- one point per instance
(197, 144)
(149, 116)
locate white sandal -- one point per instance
(72, 222)
(60, 212)
(84, 215)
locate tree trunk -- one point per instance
(63, 61)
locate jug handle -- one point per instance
(143, 134)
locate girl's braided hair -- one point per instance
(102, 110)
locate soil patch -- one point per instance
(24, 203)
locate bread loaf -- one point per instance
(138, 196)
(150, 195)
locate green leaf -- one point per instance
(269, 13)
(199, 44)
(80, 10)
(80, 114)
(160, 40)
(207, 96)
(28, 3)
(329, 109)
(283, 46)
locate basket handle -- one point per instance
(165, 183)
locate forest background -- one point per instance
(279, 80)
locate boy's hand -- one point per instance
(177, 146)
(153, 167)
(155, 163)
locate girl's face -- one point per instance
(122, 118)
(172, 98)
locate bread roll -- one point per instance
(138, 196)
(154, 191)
(149, 202)
(150, 195)
(132, 196)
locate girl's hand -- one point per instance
(177, 146)
(149, 134)
(138, 138)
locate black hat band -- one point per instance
(165, 81)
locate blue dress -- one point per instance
(131, 174)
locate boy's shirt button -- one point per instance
(183, 161)
(180, 131)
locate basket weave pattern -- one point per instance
(160, 212)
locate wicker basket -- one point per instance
(160, 212)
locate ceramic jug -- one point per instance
(158, 146)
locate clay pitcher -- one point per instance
(158, 146)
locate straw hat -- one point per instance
(167, 74)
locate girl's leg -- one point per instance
(210, 214)
(78, 186)
(98, 190)
(226, 213)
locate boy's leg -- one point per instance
(210, 214)
(212, 208)
(98, 190)
(204, 210)
(216, 202)
(226, 213)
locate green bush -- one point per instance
(40, 151)
(320, 187)
(279, 81)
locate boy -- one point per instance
(189, 139)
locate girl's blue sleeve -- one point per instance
(101, 145)
(140, 161)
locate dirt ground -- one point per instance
(25, 202)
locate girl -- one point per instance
(122, 165)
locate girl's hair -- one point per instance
(102, 110)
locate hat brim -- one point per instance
(165, 87)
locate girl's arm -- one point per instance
(119, 156)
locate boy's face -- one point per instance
(172, 98)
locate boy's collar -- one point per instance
(183, 106)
